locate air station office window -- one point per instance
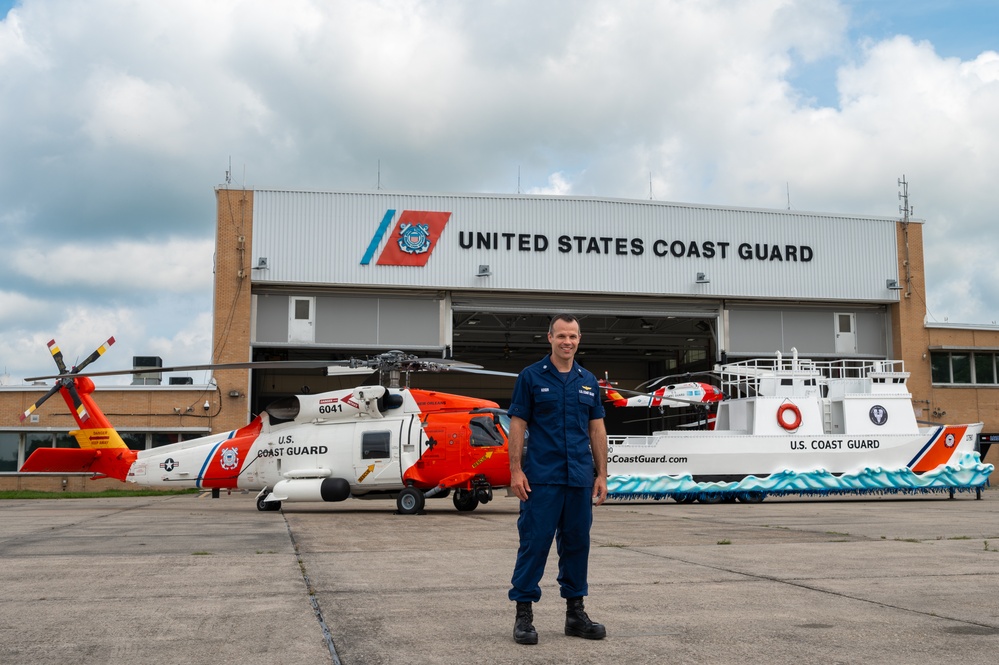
(963, 367)
(9, 443)
(134, 440)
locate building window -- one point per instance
(985, 368)
(35, 440)
(9, 442)
(134, 440)
(962, 367)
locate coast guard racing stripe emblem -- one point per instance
(412, 240)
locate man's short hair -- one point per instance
(568, 318)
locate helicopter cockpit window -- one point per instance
(504, 421)
(484, 432)
(376, 445)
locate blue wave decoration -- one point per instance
(969, 473)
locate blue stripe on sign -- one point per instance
(373, 245)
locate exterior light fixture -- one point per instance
(702, 278)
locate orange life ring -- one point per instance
(784, 408)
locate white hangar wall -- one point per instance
(577, 245)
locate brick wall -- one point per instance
(125, 408)
(231, 334)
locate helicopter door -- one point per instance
(376, 458)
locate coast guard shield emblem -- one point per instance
(229, 459)
(879, 415)
(415, 238)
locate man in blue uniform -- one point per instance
(558, 476)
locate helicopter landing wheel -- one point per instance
(410, 501)
(265, 506)
(465, 500)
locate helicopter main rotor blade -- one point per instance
(489, 372)
(337, 370)
(258, 364)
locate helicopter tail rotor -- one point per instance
(67, 380)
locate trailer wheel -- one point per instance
(465, 501)
(751, 497)
(410, 501)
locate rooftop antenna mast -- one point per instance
(378, 184)
(903, 196)
(906, 211)
(651, 197)
(518, 179)
(228, 172)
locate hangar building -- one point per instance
(662, 289)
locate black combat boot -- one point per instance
(577, 624)
(523, 627)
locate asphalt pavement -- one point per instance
(189, 579)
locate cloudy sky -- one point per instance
(118, 118)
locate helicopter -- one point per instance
(673, 395)
(701, 396)
(372, 441)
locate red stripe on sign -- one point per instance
(413, 238)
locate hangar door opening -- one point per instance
(628, 343)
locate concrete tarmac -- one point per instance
(195, 580)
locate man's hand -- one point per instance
(599, 490)
(519, 484)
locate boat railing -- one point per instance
(746, 378)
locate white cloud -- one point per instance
(120, 117)
(174, 265)
(558, 185)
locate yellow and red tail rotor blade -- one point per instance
(41, 400)
(57, 356)
(101, 350)
(81, 411)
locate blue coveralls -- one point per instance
(558, 464)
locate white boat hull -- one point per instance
(700, 464)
